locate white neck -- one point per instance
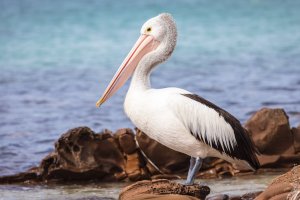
(141, 76)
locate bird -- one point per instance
(176, 118)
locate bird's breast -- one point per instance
(136, 108)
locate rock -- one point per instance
(268, 128)
(218, 197)
(80, 155)
(20, 177)
(247, 196)
(292, 177)
(286, 186)
(296, 135)
(163, 197)
(279, 192)
(126, 140)
(250, 196)
(163, 189)
(135, 165)
(279, 161)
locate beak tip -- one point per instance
(98, 104)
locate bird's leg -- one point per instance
(192, 164)
(196, 162)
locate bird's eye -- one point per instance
(149, 29)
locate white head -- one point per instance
(163, 29)
(158, 40)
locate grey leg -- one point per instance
(193, 170)
(192, 164)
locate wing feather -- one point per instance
(217, 128)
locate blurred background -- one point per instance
(56, 58)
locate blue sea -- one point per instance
(57, 57)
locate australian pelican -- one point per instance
(177, 118)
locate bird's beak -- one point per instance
(144, 45)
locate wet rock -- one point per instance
(280, 192)
(250, 196)
(268, 128)
(279, 161)
(126, 140)
(247, 196)
(135, 165)
(292, 177)
(286, 186)
(20, 177)
(218, 197)
(163, 197)
(296, 135)
(216, 168)
(80, 155)
(163, 189)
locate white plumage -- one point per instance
(168, 117)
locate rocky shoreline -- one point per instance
(83, 155)
(286, 186)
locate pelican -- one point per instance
(174, 117)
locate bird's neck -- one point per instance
(141, 76)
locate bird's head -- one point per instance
(158, 35)
(163, 29)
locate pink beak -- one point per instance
(144, 45)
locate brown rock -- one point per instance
(134, 161)
(218, 197)
(268, 128)
(126, 140)
(80, 149)
(296, 135)
(286, 186)
(134, 169)
(292, 176)
(166, 176)
(30, 175)
(247, 196)
(279, 146)
(163, 189)
(251, 195)
(163, 197)
(280, 191)
(279, 161)
(79, 155)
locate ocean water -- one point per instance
(56, 58)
